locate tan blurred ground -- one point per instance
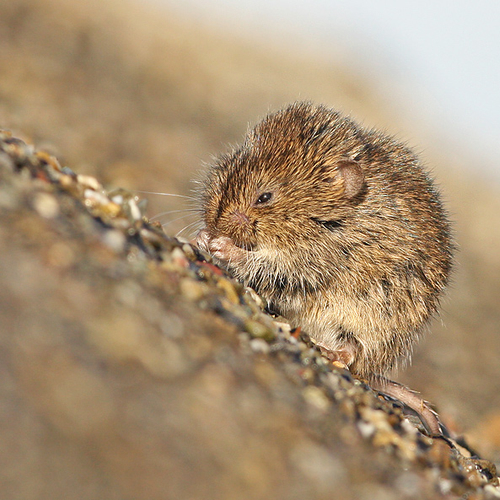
(92, 80)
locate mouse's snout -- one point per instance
(239, 218)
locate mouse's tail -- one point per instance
(412, 400)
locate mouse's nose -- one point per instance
(240, 218)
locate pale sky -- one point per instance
(445, 53)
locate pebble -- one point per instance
(111, 209)
(135, 211)
(258, 330)
(115, 240)
(119, 198)
(367, 429)
(46, 205)
(188, 251)
(229, 290)
(316, 398)
(193, 290)
(259, 345)
(445, 486)
(179, 258)
(66, 181)
(50, 160)
(91, 182)
(94, 198)
(252, 296)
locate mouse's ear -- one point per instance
(352, 174)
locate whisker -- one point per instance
(192, 224)
(195, 230)
(168, 212)
(192, 198)
(175, 220)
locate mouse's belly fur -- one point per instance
(380, 332)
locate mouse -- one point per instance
(341, 229)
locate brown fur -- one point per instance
(354, 244)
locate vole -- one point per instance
(341, 230)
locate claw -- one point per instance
(202, 240)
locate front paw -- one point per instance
(223, 248)
(202, 240)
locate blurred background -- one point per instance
(436, 63)
(141, 94)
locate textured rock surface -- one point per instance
(133, 368)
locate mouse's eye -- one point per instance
(264, 198)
